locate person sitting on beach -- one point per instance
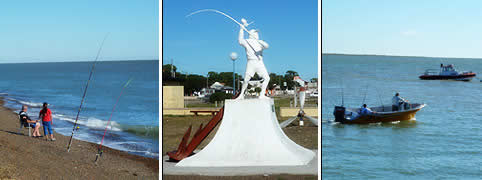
(34, 124)
(46, 116)
(365, 111)
(397, 101)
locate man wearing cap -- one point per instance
(397, 101)
(254, 53)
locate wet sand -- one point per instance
(25, 157)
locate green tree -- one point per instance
(166, 72)
(288, 78)
(193, 83)
(220, 96)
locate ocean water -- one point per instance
(445, 141)
(135, 123)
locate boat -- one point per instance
(447, 72)
(381, 114)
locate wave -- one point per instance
(90, 122)
(28, 103)
(142, 130)
(147, 153)
(99, 124)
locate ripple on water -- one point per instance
(444, 142)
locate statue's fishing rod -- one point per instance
(85, 92)
(224, 14)
(99, 149)
(243, 26)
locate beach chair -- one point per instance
(24, 124)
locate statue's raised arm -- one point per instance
(254, 54)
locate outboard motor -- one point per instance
(339, 113)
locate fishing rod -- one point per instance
(380, 99)
(342, 99)
(224, 14)
(85, 92)
(366, 90)
(99, 149)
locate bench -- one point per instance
(213, 112)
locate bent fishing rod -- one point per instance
(85, 92)
(99, 149)
(224, 14)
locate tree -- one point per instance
(194, 83)
(167, 74)
(220, 96)
(257, 90)
(288, 78)
(291, 73)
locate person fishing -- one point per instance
(34, 124)
(46, 116)
(397, 102)
(365, 111)
(254, 53)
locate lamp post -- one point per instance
(233, 57)
(207, 81)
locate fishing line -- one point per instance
(366, 90)
(85, 92)
(99, 151)
(380, 99)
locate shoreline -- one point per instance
(35, 158)
(406, 56)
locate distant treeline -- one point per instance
(195, 82)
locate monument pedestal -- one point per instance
(249, 135)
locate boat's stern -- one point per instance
(339, 113)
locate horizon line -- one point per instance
(78, 61)
(348, 54)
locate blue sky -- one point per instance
(203, 42)
(59, 30)
(409, 28)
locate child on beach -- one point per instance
(46, 116)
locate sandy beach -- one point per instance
(25, 157)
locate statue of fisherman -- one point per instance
(254, 53)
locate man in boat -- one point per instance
(364, 110)
(397, 101)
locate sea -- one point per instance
(134, 125)
(444, 142)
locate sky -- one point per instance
(439, 28)
(59, 30)
(202, 42)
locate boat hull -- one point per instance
(382, 118)
(379, 115)
(467, 76)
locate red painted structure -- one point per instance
(184, 150)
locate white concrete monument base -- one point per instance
(249, 135)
